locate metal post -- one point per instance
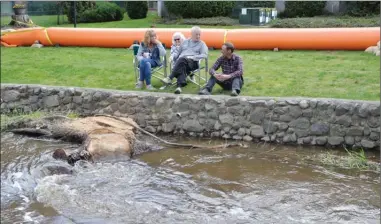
(58, 13)
(75, 14)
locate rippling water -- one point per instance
(183, 186)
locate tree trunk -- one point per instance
(101, 135)
(21, 21)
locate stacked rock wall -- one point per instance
(325, 122)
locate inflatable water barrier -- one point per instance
(244, 39)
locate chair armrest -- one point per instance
(200, 60)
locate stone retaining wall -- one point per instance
(325, 122)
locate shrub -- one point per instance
(213, 21)
(103, 12)
(80, 6)
(199, 9)
(302, 9)
(325, 22)
(359, 9)
(137, 10)
(253, 4)
(42, 8)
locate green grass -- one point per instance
(341, 74)
(348, 75)
(16, 116)
(352, 160)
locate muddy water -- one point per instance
(261, 184)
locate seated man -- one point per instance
(231, 77)
(187, 57)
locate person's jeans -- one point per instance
(181, 69)
(230, 84)
(145, 66)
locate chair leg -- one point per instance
(136, 75)
(199, 79)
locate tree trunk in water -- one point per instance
(100, 135)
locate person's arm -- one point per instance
(203, 53)
(216, 66)
(177, 51)
(161, 49)
(139, 55)
(173, 49)
(239, 71)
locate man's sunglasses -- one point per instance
(177, 39)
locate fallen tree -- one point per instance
(100, 136)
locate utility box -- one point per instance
(245, 17)
(257, 16)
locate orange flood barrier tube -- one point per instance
(244, 39)
(114, 38)
(305, 39)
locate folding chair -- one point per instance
(195, 73)
(154, 70)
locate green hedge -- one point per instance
(360, 9)
(42, 8)
(80, 6)
(302, 9)
(326, 22)
(103, 12)
(199, 9)
(137, 10)
(213, 21)
(254, 4)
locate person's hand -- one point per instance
(218, 76)
(170, 59)
(145, 54)
(224, 77)
(221, 77)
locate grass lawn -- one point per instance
(341, 74)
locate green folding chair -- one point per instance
(159, 72)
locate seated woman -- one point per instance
(149, 53)
(177, 39)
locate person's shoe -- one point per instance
(150, 87)
(167, 80)
(191, 77)
(204, 92)
(139, 85)
(234, 93)
(178, 90)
